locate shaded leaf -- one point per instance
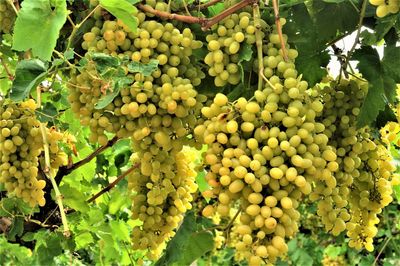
(38, 25)
(28, 75)
(123, 10)
(379, 86)
(145, 69)
(189, 243)
(110, 96)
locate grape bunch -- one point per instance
(166, 93)
(385, 7)
(224, 44)
(353, 197)
(20, 147)
(389, 133)
(7, 17)
(157, 112)
(262, 156)
(164, 186)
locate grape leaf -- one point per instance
(189, 243)
(105, 63)
(38, 26)
(28, 74)
(83, 240)
(381, 87)
(123, 10)
(73, 198)
(382, 76)
(390, 62)
(117, 84)
(245, 55)
(313, 56)
(145, 69)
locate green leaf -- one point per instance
(381, 87)
(391, 61)
(123, 10)
(16, 229)
(145, 69)
(104, 62)
(245, 55)
(28, 74)
(189, 243)
(38, 26)
(83, 240)
(74, 198)
(334, 251)
(110, 96)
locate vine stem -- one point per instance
(227, 12)
(279, 29)
(9, 74)
(48, 174)
(115, 182)
(63, 171)
(205, 5)
(11, 3)
(360, 22)
(380, 252)
(257, 24)
(77, 26)
(205, 23)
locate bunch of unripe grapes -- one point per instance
(169, 91)
(262, 155)
(224, 45)
(385, 7)
(7, 17)
(389, 133)
(352, 198)
(20, 147)
(158, 112)
(337, 261)
(163, 189)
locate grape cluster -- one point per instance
(355, 194)
(164, 186)
(224, 45)
(167, 93)
(262, 155)
(337, 261)
(157, 112)
(389, 133)
(385, 7)
(7, 17)
(20, 146)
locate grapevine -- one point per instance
(199, 132)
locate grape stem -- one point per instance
(9, 74)
(48, 174)
(115, 182)
(65, 170)
(383, 248)
(279, 28)
(205, 23)
(77, 26)
(356, 40)
(257, 24)
(11, 3)
(203, 6)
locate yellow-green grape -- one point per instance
(140, 108)
(262, 153)
(7, 17)
(385, 7)
(224, 44)
(20, 146)
(356, 185)
(337, 261)
(163, 187)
